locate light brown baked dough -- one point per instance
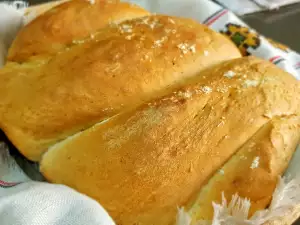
(181, 149)
(47, 99)
(143, 163)
(58, 27)
(253, 171)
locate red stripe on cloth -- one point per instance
(7, 183)
(297, 64)
(274, 58)
(217, 17)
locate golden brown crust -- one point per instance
(155, 158)
(253, 172)
(59, 26)
(158, 155)
(121, 66)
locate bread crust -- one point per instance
(120, 66)
(60, 25)
(153, 199)
(155, 158)
(253, 171)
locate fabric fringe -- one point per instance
(10, 171)
(19, 5)
(285, 197)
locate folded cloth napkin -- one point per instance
(273, 4)
(11, 18)
(37, 203)
(242, 7)
(26, 202)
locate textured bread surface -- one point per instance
(143, 163)
(147, 113)
(253, 171)
(48, 99)
(60, 26)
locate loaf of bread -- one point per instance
(147, 113)
(142, 164)
(93, 79)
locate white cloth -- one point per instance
(242, 7)
(39, 203)
(12, 20)
(273, 4)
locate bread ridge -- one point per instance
(160, 133)
(55, 28)
(260, 160)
